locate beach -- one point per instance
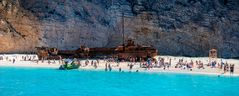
(23, 60)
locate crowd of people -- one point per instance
(185, 65)
(14, 58)
(164, 63)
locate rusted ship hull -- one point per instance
(121, 52)
(98, 53)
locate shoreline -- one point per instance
(125, 70)
(124, 65)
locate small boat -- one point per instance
(69, 65)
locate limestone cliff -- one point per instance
(174, 27)
(19, 30)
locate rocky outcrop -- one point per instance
(174, 27)
(18, 28)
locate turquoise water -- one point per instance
(52, 82)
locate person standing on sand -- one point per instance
(98, 62)
(170, 62)
(131, 66)
(117, 61)
(110, 68)
(92, 63)
(221, 65)
(120, 69)
(7, 58)
(87, 62)
(225, 68)
(49, 62)
(95, 64)
(13, 61)
(149, 63)
(54, 61)
(42, 60)
(60, 60)
(140, 62)
(106, 67)
(231, 69)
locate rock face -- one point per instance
(174, 27)
(19, 29)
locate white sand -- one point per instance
(124, 65)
